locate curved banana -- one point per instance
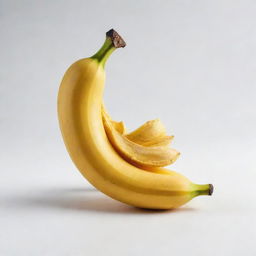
(80, 117)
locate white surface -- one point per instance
(190, 63)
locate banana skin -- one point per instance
(80, 100)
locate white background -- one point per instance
(190, 63)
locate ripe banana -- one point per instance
(125, 166)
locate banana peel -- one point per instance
(147, 146)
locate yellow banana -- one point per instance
(93, 150)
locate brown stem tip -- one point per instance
(116, 39)
(211, 188)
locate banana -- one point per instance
(98, 145)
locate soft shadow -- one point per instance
(82, 199)
(73, 190)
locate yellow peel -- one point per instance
(157, 156)
(151, 129)
(150, 134)
(158, 141)
(119, 126)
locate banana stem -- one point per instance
(104, 52)
(112, 42)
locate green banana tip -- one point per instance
(205, 189)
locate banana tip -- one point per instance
(211, 188)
